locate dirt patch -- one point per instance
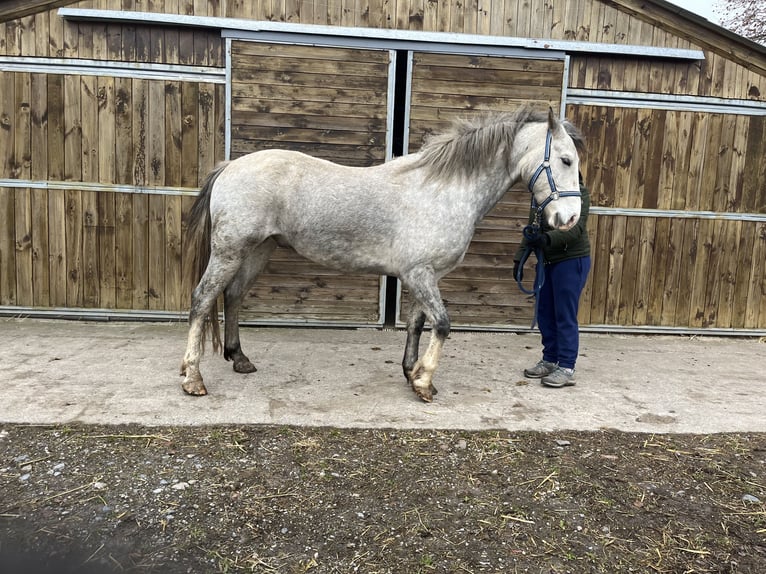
(288, 499)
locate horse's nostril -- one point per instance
(569, 223)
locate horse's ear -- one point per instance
(553, 121)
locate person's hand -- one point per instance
(518, 271)
(542, 240)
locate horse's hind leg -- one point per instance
(218, 273)
(423, 287)
(232, 300)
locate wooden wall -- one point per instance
(482, 291)
(92, 245)
(111, 242)
(702, 267)
(720, 74)
(328, 102)
(116, 241)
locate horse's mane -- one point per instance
(471, 144)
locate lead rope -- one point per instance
(532, 232)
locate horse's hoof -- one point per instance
(244, 366)
(194, 387)
(424, 392)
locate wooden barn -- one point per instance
(112, 112)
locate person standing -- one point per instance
(567, 264)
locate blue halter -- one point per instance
(545, 166)
(533, 230)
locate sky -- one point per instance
(703, 8)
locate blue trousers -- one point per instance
(557, 310)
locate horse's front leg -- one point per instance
(423, 372)
(423, 287)
(415, 322)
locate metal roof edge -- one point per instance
(229, 25)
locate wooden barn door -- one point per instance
(481, 291)
(331, 103)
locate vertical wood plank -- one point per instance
(123, 137)
(156, 203)
(686, 262)
(697, 162)
(624, 162)
(497, 17)
(645, 258)
(730, 259)
(207, 124)
(39, 197)
(56, 203)
(723, 199)
(600, 270)
(663, 251)
(308, 10)
(471, 13)
(123, 260)
(40, 252)
(41, 34)
(669, 163)
(106, 174)
(21, 159)
(72, 129)
(73, 197)
(484, 17)
(615, 275)
(672, 273)
(654, 155)
(73, 223)
(39, 126)
(755, 312)
(293, 11)
(22, 228)
(189, 174)
(8, 123)
(140, 203)
(713, 283)
(742, 274)
(90, 173)
(630, 268)
(584, 312)
(173, 204)
(699, 252)
(22, 154)
(641, 131)
(7, 247)
(523, 19)
(754, 178)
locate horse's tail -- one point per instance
(198, 238)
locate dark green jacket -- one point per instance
(568, 244)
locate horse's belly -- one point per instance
(344, 256)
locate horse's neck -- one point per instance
(490, 190)
(475, 196)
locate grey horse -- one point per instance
(412, 217)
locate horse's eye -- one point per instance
(567, 162)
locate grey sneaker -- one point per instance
(541, 369)
(561, 377)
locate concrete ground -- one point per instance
(68, 372)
